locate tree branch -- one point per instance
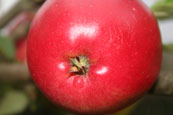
(164, 84)
(22, 5)
(13, 72)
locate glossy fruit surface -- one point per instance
(94, 56)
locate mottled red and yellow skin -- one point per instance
(120, 38)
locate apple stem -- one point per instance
(80, 65)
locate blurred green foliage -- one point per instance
(163, 9)
(13, 102)
(168, 47)
(7, 49)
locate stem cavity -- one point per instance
(79, 65)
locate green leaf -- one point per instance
(13, 102)
(163, 9)
(167, 63)
(7, 48)
(168, 47)
(168, 1)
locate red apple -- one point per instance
(21, 49)
(94, 56)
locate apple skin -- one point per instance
(21, 49)
(120, 38)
